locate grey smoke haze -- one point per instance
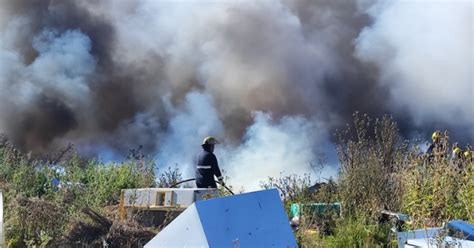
(424, 52)
(272, 79)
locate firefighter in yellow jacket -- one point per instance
(468, 153)
(457, 152)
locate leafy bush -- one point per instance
(38, 211)
(357, 233)
(36, 222)
(439, 191)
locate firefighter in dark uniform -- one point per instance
(207, 167)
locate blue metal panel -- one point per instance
(255, 219)
(462, 228)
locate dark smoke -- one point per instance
(110, 100)
(113, 75)
(43, 122)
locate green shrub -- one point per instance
(353, 232)
(356, 233)
(437, 192)
(37, 213)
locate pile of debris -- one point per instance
(103, 232)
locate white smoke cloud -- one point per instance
(424, 50)
(63, 66)
(289, 145)
(274, 147)
(191, 122)
(61, 71)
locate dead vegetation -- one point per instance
(99, 231)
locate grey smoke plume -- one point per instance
(269, 78)
(425, 55)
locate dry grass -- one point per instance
(371, 155)
(99, 230)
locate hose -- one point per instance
(192, 179)
(180, 182)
